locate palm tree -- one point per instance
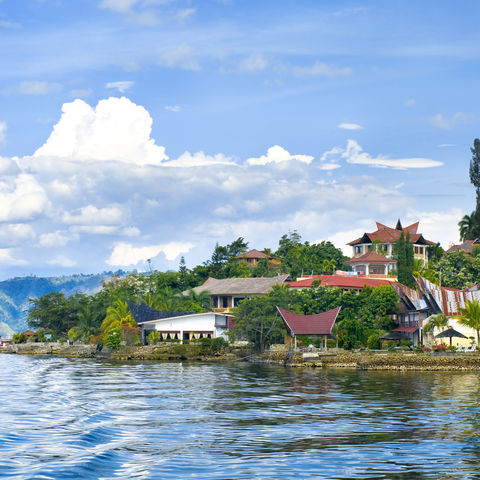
(470, 317)
(329, 266)
(439, 321)
(466, 226)
(117, 315)
(202, 298)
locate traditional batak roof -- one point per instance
(253, 254)
(240, 286)
(340, 281)
(466, 246)
(386, 234)
(143, 313)
(319, 324)
(371, 257)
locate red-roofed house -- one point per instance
(252, 257)
(318, 325)
(385, 238)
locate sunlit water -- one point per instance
(76, 419)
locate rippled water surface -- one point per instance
(75, 419)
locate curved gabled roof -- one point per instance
(318, 324)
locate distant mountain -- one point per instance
(16, 292)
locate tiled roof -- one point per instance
(253, 254)
(391, 235)
(371, 257)
(240, 286)
(465, 246)
(340, 281)
(319, 324)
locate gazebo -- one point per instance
(318, 325)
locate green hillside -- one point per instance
(16, 292)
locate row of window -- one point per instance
(384, 248)
(223, 301)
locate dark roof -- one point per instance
(318, 324)
(449, 333)
(143, 313)
(253, 254)
(240, 286)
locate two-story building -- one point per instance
(373, 252)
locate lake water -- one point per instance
(77, 419)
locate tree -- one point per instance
(466, 227)
(403, 254)
(470, 317)
(439, 321)
(117, 315)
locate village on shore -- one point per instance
(390, 276)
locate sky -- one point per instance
(150, 129)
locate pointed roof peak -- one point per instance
(399, 225)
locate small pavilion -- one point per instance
(318, 325)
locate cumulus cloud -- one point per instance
(320, 69)
(7, 258)
(449, 123)
(350, 126)
(21, 199)
(54, 239)
(121, 86)
(354, 154)
(277, 154)
(15, 233)
(91, 215)
(125, 254)
(62, 261)
(116, 129)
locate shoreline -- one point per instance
(378, 360)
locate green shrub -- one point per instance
(113, 340)
(154, 337)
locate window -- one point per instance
(385, 247)
(420, 250)
(214, 301)
(236, 300)
(416, 249)
(224, 301)
(358, 249)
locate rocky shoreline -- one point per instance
(379, 360)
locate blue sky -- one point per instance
(135, 129)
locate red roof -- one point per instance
(371, 257)
(319, 324)
(340, 281)
(406, 329)
(391, 235)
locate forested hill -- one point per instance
(16, 292)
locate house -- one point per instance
(318, 325)
(252, 257)
(466, 246)
(345, 282)
(180, 325)
(226, 293)
(370, 247)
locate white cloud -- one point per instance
(119, 6)
(22, 199)
(16, 233)
(55, 239)
(448, 123)
(199, 159)
(80, 92)
(117, 129)
(319, 69)
(444, 145)
(411, 102)
(253, 63)
(121, 86)
(7, 258)
(3, 130)
(91, 215)
(277, 154)
(62, 261)
(173, 108)
(354, 154)
(186, 13)
(125, 254)
(350, 126)
(179, 57)
(9, 24)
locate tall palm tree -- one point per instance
(202, 298)
(470, 317)
(466, 226)
(329, 266)
(117, 315)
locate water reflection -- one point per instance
(86, 419)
